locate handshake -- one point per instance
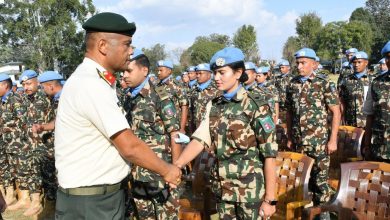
(173, 175)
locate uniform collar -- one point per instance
(248, 87)
(191, 83)
(5, 96)
(136, 90)
(204, 85)
(89, 61)
(303, 79)
(166, 79)
(285, 75)
(360, 75)
(235, 95)
(57, 95)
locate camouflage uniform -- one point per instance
(281, 83)
(308, 103)
(380, 94)
(38, 112)
(176, 93)
(152, 116)
(12, 117)
(352, 94)
(344, 73)
(241, 133)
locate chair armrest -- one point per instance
(291, 206)
(310, 213)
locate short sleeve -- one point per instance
(202, 133)
(168, 114)
(331, 97)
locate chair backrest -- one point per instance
(293, 173)
(364, 191)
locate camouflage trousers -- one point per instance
(3, 164)
(10, 170)
(169, 210)
(318, 182)
(49, 178)
(29, 173)
(238, 210)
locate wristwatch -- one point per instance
(271, 202)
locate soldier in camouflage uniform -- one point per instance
(308, 99)
(239, 129)
(377, 109)
(191, 70)
(151, 114)
(12, 142)
(347, 71)
(51, 84)
(281, 83)
(382, 67)
(122, 90)
(38, 112)
(264, 84)
(250, 70)
(175, 92)
(353, 90)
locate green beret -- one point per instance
(109, 22)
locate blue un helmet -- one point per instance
(165, 63)
(306, 53)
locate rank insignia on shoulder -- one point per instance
(267, 123)
(107, 76)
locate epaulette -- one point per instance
(258, 98)
(107, 76)
(321, 77)
(161, 92)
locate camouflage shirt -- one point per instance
(308, 103)
(152, 116)
(344, 73)
(352, 93)
(379, 96)
(281, 83)
(241, 133)
(13, 122)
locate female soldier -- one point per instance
(239, 129)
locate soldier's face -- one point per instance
(387, 59)
(260, 78)
(123, 83)
(203, 76)
(48, 88)
(305, 66)
(118, 51)
(3, 88)
(185, 78)
(284, 69)
(349, 56)
(251, 76)
(226, 79)
(359, 65)
(163, 72)
(192, 75)
(30, 86)
(383, 67)
(135, 74)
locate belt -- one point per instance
(91, 190)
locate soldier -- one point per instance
(176, 93)
(353, 91)
(308, 99)
(250, 70)
(238, 127)
(377, 109)
(281, 83)
(122, 90)
(270, 89)
(50, 82)
(192, 76)
(151, 114)
(347, 71)
(382, 66)
(12, 120)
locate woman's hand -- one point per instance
(266, 210)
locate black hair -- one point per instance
(143, 61)
(239, 65)
(9, 83)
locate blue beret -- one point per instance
(4, 77)
(178, 78)
(382, 61)
(203, 67)
(27, 74)
(345, 64)
(250, 66)
(109, 22)
(63, 82)
(262, 69)
(351, 50)
(49, 76)
(191, 69)
(184, 73)
(386, 48)
(165, 63)
(226, 56)
(305, 53)
(284, 63)
(360, 55)
(136, 53)
(317, 59)
(152, 75)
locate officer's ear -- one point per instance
(145, 71)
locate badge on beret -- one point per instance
(220, 62)
(201, 66)
(24, 78)
(160, 63)
(267, 123)
(302, 53)
(107, 76)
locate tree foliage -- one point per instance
(308, 26)
(44, 34)
(245, 39)
(290, 47)
(155, 53)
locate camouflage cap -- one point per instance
(109, 22)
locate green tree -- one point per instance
(155, 53)
(245, 39)
(290, 47)
(308, 26)
(359, 35)
(44, 34)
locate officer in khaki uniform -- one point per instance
(93, 140)
(152, 116)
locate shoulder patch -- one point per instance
(169, 110)
(267, 123)
(162, 93)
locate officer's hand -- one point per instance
(266, 210)
(332, 147)
(289, 144)
(37, 128)
(173, 176)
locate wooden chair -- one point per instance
(348, 149)
(363, 193)
(292, 192)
